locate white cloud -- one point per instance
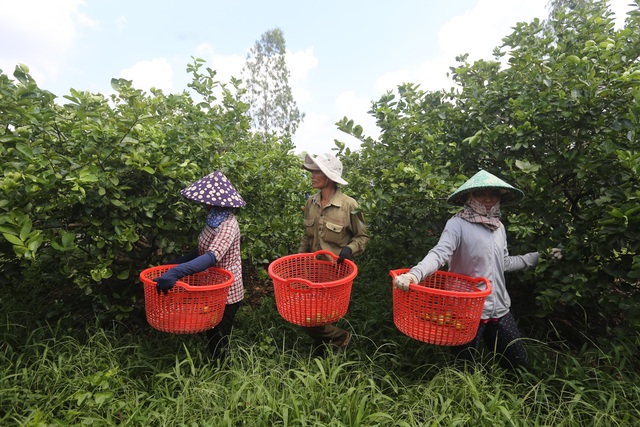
(476, 32)
(430, 75)
(354, 107)
(479, 30)
(620, 9)
(41, 32)
(156, 73)
(226, 66)
(121, 23)
(314, 134)
(318, 131)
(299, 64)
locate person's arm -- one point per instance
(440, 254)
(305, 245)
(305, 242)
(169, 279)
(185, 258)
(436, 258)
(360, 237)
(520, 262)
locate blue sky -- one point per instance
(341, 54)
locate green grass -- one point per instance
(129, 374)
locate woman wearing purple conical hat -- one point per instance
(474, 243)
(218, 245)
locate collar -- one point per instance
(334, 200)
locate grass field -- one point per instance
(126, 373)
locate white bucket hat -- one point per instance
(328, 164)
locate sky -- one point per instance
(342, 55)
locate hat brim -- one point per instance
(311, 165)
(483, 180)
(215, 190)
(506, 195)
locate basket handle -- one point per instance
(325, 252)
(305, 282)
(396, 273)
(298, 281)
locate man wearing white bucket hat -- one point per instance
(332, 222)
(474, 243)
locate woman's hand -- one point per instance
(556, 253)
(404, 280)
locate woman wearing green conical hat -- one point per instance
(474, 243)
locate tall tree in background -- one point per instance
(556, 6)
(272, 108)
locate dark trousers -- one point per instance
(326, 334)
(218, 337)
(501, 336)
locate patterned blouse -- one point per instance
(224, 243)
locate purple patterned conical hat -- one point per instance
(214, 189)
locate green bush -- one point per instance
(561, 123)
(89, 190)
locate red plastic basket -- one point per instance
(196, 303)
(311, 291)
(444, 309)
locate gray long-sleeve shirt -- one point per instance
(474, 250)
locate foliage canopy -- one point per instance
(556, 114)
(89, 190)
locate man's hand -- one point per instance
(344, 253)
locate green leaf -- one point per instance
(102, 396)
(26, 229)
(14, 240)
(87, 176)
(24, 149)
(68, 239)
(526, 166)
(34, 244)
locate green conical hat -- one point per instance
(484, 180)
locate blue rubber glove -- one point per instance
(344, 253)
(168, 279)
(185, 258)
